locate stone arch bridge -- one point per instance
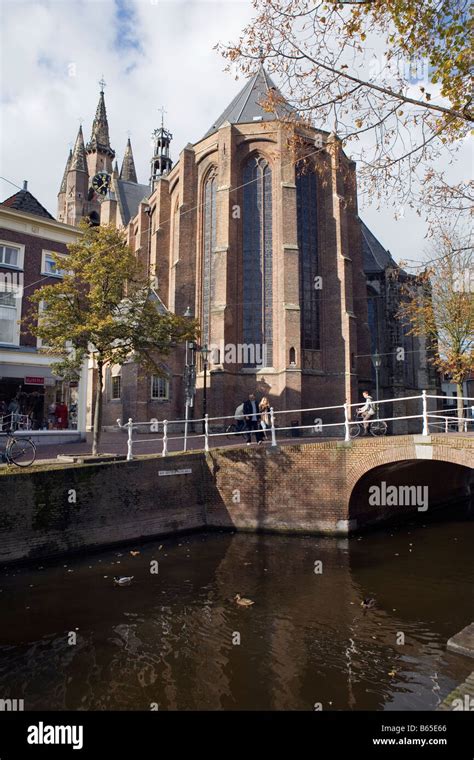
(338, 487)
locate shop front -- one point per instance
(33, 398)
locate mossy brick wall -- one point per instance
(65, 509)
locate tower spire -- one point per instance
(127, 171)
(78, 158)
(100, 154)
(161, 162)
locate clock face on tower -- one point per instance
(101, 182)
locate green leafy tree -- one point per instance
(391, 77)
(104, 306)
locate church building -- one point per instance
(262, 243)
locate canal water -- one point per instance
(176, 640)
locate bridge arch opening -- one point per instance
(409, 489)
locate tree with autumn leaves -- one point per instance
(392, 78)
(104, 307)
(438, 303)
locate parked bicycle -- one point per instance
(233, 431)
(376, 428)
(18, 451)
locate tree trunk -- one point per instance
(460, 415)
(98, 410)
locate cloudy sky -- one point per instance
(152, 53)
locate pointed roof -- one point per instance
(375, 257)
(62, 189)
(25, 201)
(78, 160)
(129, 196)
(100, 129)
(246, 106)
(127, 172)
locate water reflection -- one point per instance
(169, 638)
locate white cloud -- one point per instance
(151, 54)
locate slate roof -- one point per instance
(161, 308)
(129, 196)
(25, 201)
(246, 107)
(128, 172)
(375, 257)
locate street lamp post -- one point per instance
(377, 362)
(188, 384)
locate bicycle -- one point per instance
(376, 428)
(232, 431)
(18, 451)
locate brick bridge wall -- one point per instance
(313, 487)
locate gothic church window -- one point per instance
(306, 199)
(175, 243)
(174, 256)
(208, 246)
(258, 257)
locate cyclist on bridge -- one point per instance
(367, 411)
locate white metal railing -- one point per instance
(15, 421)
(442, 419)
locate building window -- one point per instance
(306, 200)
(160, 388)
(116, 387)
(209, 244)
(49, 267)
(258, 257)
(292, 357)
(10, 313)
(175, 243)
(11, 256)
(174, 258)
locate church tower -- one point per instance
(161, 162)
(76, 199)
(99, 153)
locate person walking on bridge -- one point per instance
(252, 419)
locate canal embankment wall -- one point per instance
(55, 510)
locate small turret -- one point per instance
(78, 159)
(161, 163)
(72, 200)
